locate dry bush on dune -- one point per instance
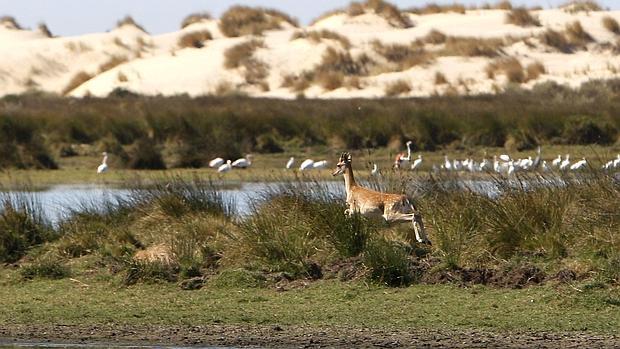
(556, 40)
(298, 82)
(355, 9)
(77, 81)
(244, 20)
(10, 22)
(581, 6)
(112, 62)
(128, 20)
(234, 56)
(353, 83)
(122, 77)
(472, 47)
(397, 88)
(318, 35)
(195, 18)
(43, 29)
(402, 56)
(440, 78)
(503, 5)
(435, 37)
(194, 39)
(522, 17)
(509, 66)
(611, 24)
(341, 61)
(388, 11)
(576, 35)
(433, 8)
(329, 80)
(534, 70)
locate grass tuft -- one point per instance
(611, 24)
(243, 20)
(195, 39)
(522, 17)
(195, 18)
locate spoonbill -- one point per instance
(104, 164)
(215, 163)
(565, 163)
(417, 163)
(375, 170)
(306, 164)
(320, 164)
(243, 162)
(290, 162)
(579, 165)
(225, 167)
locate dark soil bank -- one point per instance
(298, 337)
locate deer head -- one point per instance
(343, 163)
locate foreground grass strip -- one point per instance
(324, 303)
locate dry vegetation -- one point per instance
(514, 71)
(112, 62)
(76, 82)
(384, 9)
(433, 8)
(317, 36)
(573, 37)
(435, 37)
(402, 57)
(397, 88)
(472, 47)
(582, 6)
(128, 20)
(194, 39)
(503, 5)
(43, 29)
(298, 82)
(611, 24)
(10, 22)
(440, 78)
(242, 56)
(522, 17)
(244, 20)
(195, 18)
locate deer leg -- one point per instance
(418, 228)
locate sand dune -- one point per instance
(131, 59)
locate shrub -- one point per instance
(195, 18)
(128, 20)
(341, 62)
(534, 70)
(43, 29)
(435, 37)
(10, 22)
(317, 35)
(503, 5)
(243, 20)
(440, 79)
(471, 47)
(611, 24)
(112, 62)
(557, 40)
(45, 267)
(582, 6)
(583, 130)
(298, 83)
(76, 81)
(350, 234)
(433, 8)
(146, 155)
(330, 80)
(194, 39)
(388, 262)
(397, 88)
(576, 35)
(390, 12)
(149, 272)
(402, 56)
(22, 226)
(510, 67)
(521, 16)
(237, 55)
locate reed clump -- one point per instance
(244, 20)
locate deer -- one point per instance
(370, 203)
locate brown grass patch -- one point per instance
(244, 20)
(611, 24)
(581, 6)
(128, 20)
(397, 88)
(472, 47)
(353, 83)
(195, 18)
(503, 5)
(435, 37)
(342, 61)
(522, 17)
(556, 40)
(534, 70)
(329, 80)
(43, 29)
(576, 35)
(440, 78)
(433, 8)
(112, 62)
(298, 83)
(10, 22)
(121, 77)
(194, 39)
(77, 47)
(317, 36)
(509, 66)
(390, 12)
(235, 56)
(76, 82)
(403, 56)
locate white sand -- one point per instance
(156, 65)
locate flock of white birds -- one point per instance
(502, 164)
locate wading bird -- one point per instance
(581, 164)
(243, 162)
(319, 164)
(370, 203)
(565, 163)
(306, 164)
(375, 170)
(225, 167)
(215, 163)
(104, 163)
(290, 162)
(417, 163)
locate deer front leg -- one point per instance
(418, 228)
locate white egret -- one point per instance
(565, 163)
(544, 166)
(290, 162)
(243, 162)
(504, 157)
(417, 163)
(319, 164)
(306, 164)
(216, 163)
(579, 165)
(511, 168)
(375, 170)
(104, 164)
(556, 162)
(225, 167)
(496, 167)
(447, 164)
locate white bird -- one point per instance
(306, 164)
(290, 162)
(417, 163)
(320, 164)
(496, 167)
(447, 164)
(565, 163)
(408, 158)
(375, 170)
(556, 162)
(104, 164)
(215, 163)
(579, 165)
(243, 162)
(544, 166)
(225, 167)
(504, 157)
(511, 168)
(617, 161)
(484, 165)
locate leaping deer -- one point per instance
(370, 203)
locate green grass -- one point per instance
(324, 303)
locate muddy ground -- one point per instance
(297, 337)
